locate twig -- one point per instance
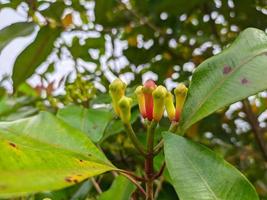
(256, 129)
(96, 185)
(138, 178)
(159, 146)
(159, 187)
(128, 128)
(134, 182)
(160, 171)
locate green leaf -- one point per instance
(83, 191)
(75, 192)
(199, 174)
(19, 29)
(93, 122)
(121, 189)
(45, 150)
(34, 55)
(55, 10)
(236, 73)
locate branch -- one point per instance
(256, 129)
(134, 182)
(160, 171)
(96, 185)
(134, 139)
(159, 146)
(138, 178)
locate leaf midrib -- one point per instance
(219, 85)
(199, 174)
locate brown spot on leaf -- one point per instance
(81, 160)
(244, 81)
(71, 179)
(89, 154)
(12, 144)
(68, 179)
(226, 69)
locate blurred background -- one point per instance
(56, 53)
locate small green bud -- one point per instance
(180, 95)
(159, 95)
(170, 106)
(116, 91)
(125, 104)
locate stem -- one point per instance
(149, 168)
(138, 178)
(160, 171)
(96, 185)
(134, 182)
(159, 187)
(132, 136)
(159, 146)
(256, 129)
(150, 136)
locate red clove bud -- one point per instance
(148, 88)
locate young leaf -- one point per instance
(19, 29)
(199, 174)
(93, 122)
(44, 153)
(34, 54)
(236, 73)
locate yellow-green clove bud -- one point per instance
(141, 100)
(159, 95)
(125, 104)
(180, 95)
(116, 91)
(170, 106)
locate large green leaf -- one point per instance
(34, 55)
(121, 189)
(44, 153)
(239, 71)
(199, 174)
(13, 31)
(93, 122)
